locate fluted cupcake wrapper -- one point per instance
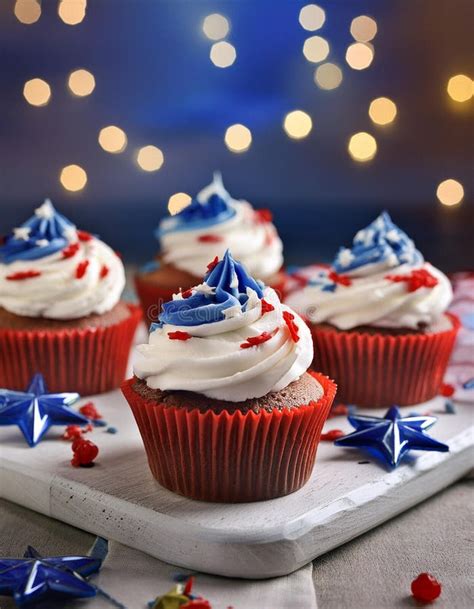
(377, 370)
(87, 361)
(231, 457)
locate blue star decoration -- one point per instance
(33, 578)
(36, 410)
(391, 437)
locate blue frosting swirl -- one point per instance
(45, 233)
(209, 208)
(381, 241)
(225, 286)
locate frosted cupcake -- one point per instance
(211, 224)
(221, 393)
(378, 319)
(60, 308)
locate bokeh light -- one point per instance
(73, 178)
(27, 11)
(72, 12)
(460, 88)
(315, 49)
(328, 76)
(81, 82)
(215, 26)
(178, 202)
(359, 55)
(382, 111)
(113, 139)
(150, 158)
(450, 192)
(223, 54)
(362, 147)
(238, 138)
(363, 28)
(312, 17)
(37, 92)
(297, 124)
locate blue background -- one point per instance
(154, 79)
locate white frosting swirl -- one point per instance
(374, 300)
(213, 363)
(57, 292)
(254, 243)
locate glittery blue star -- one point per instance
(391, 437)
(35, 410)
(34, 578)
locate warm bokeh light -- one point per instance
(362, 146)
(178, 202)
(316, 49)
(72, 12)
(460, 88)
(223, 54)
(450, 192)
(328, 76)
(73, 178)
(359, 55)
(27, 11)
(312, 17)
(238, 138)
(37, 92)
(297, 124)
(363, 28)
(113, 139)
(215, 26)
(81, 82)
(382, 110)
(150, 158)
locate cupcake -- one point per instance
(60, 308)
(221, 393)
(378, 319)
(211, 224)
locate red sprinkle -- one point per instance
(85, 452)
(90, 411)
(104, 271)
(81, 269)
(210, 239)
(23, 275)
(196, 603)
(253, 341)
(340, 279)
(263, 216)
(82, 235)
(118, 254)
(419, 278)
(292, 327)
(332, 435)
(71, 250)
(425, 588)
(189, 586)
(339, 410)
(187, 293)
(212, 265)
(266, 307)
(446, 390)
(178, 335)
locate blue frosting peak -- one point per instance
(223, 294)
(381, 241)
(210, 207)
(45, 233)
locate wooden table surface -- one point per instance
(371, 572)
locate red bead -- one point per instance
(446, 390)
(71, 250)
(425, 588)
(332, 435)
(292, 327)
(82, 235)
(210, 239)
(266, 307)
(85, 452)
(212, 265)
(90, 411)
(178, 335)
(254, 341)
(81, 269)
(23, 275)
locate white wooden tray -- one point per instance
(118, 498)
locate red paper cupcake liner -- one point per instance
(231, 457)
(375, 370)
(88, 361)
